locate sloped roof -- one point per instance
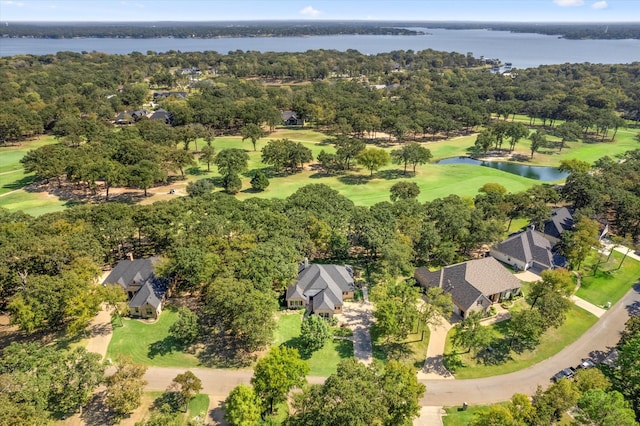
(324, 283)
(151, 292)
(128, 272)
(470, 282)
(561, 220)
(528, 246)
(287, 115)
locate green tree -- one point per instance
(411, 153)
(125, 387)
(538, 140)
(277, 373)
(568, 131)
(495, 415)
(208, 155)
(186, 328)
(591, 378)
(396, 309)
(625, 375)
(404, 190)
(601, 408)
(314, 333)
(437, 305)
(576, 244)
(552, 403)
(402, 392)
(553, 280)
(144, 174)
(259, 181)
(252, 131)
(515, 132)
(471, 334)
(114, 297)
(574, 165)
(242, 406)
(525, 327)
(373, 159)
(188, 385)
(347, 149)
(485, 140)
(231, 162)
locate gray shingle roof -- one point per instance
(561, 220)
(528, 246)
(324, 283)
(470, 282)
(128, 272)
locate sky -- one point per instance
(379, 10)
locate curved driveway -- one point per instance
(595, 343)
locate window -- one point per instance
(295, 303)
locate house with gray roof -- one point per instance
(474, 285)
(290, 118)
(527, 250)
(321, 289)
(144, 290)
(561, 220)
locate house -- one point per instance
(290, 118)
(561, 220)
(162, 115)
(127, 117)
(474, 285)
(158, 96)
(145, 292)
(322, 289)
(525, 250)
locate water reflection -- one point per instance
(542, 173)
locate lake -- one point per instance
(546, 174)
(523, 50)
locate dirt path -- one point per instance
(101, 332)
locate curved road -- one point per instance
(596, 342)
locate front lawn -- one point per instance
(457, 417)
(412, 351)
(609, 283)
(324, 361)
(150, 343)
(468, 366)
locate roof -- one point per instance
(128, 272)
(528, 246)
(470, 282)
(324, 283)
(287, 115)
(561, 220)
(151, 292)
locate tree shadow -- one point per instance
(19, 183)
(168, 402)
(391, 174)
(217, 414)
(498, 352)
(164, 347)
(344, 347)
(222, 351)
(96, 413)
(196, 171)
(354, 179)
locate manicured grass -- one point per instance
(324, 361)
(553, 341)
(10, 155)
(150, 343)
(456, 417)
(33, 203)
(609, 284)
(199, 406)
(412, 351)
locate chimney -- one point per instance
(306, 262)
(130, 256)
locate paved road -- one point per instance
(598, 340)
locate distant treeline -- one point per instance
(199, 29)
(575, 31)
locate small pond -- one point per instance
(542, 173)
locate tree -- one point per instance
(259, 181)
(186, 328)
(252, 131)
(231, 162)
(114, 297)
(200, 187)
(411, 153)
(515, 132)
(208, 155)
(314, 333)
(601, 408)
(485, 140)
(277, 373)
(437, 305)
(242, 406)
(574, 165)
(329, 162)
(404, 190)
(538, 140)
(568, 131)
(125, 387)
(189, 385)
(144, 174)
(495, 415)
(471, 334)
(555, 401)
(576, 244)
(526, 327)
(626, 372)
(373, 159)
(587, 379)
(347, 149)
(553, 280)
(402, 392)
(396, 308)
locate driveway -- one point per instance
(595, 343)
(359, 316)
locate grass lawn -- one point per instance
(150, 344)
(456, 417)
(199, 406)
(412, 351)
(324, 361)
(609, 284)
(553, 341)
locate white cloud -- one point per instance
(11, 3)
(600, 5)
(569, 3)
(310, 11)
